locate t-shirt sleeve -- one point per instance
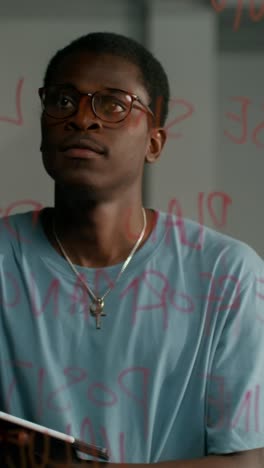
(235, 384)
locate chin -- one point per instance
(73, 180)
(79, 191)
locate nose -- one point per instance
(84, 118)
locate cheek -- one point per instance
(49, 162)
(134, 133)
(50, 136)
(50, 156)
(50, 129)
(137, 124)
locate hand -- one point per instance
(13, 446)
(25, 449)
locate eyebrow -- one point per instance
(111, 88)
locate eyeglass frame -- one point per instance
(134, 98)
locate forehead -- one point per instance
(90, 72)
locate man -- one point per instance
(117, 325)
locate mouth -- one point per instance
(83, 149)
(81, 153)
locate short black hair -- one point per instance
(154, 77)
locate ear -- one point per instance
(158, 137)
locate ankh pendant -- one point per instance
(96, 309)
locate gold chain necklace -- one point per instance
(97, 305)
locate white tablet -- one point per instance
(11, 423)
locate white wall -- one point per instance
(185, 39)
(240, 166)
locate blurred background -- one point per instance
(212, 50)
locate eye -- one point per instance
(112, 105)
(61, 99)
(64, 101)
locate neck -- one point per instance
(97, 234)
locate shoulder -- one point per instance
(209, 249)
(17, 228)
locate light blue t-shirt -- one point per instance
(177, 369)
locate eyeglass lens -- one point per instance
(111, 106)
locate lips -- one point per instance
(81, 153)
(83, 146)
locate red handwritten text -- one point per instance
(256, 12)
(18, 120)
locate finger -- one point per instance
(23, 438)
(20, 438)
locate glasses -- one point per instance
(109, 105)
